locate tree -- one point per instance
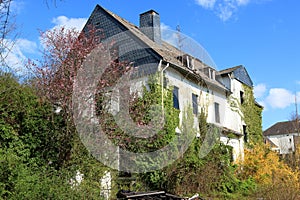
(28, 133)
(36, 160)
(275, 179)
(65, 50)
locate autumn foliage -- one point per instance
(275, 179)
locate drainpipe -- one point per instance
(162, 86)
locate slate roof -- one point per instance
(240, 73)
(229, 70)
(168, 53)
(281, 128)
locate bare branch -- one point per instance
(7, 27)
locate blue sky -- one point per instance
(262, 35)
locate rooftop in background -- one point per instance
(281, 128)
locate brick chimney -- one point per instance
(150, 25)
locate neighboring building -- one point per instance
(283, 137)
(194, 82)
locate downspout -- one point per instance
(162, 86)
(177, 130)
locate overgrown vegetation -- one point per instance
(274, 178)
(143, 111)
(41, 152)
(37, 161)
(252, 113)
(213, 175)
(262, 175)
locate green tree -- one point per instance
(36, 160)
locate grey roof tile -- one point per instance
(281, 128)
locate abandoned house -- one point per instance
(195, 83)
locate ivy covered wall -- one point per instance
(252, 116)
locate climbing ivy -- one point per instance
(250, 112)
(252, 116)
(144, 111)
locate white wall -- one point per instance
(285, 142)
(237, 144)
(233, 118)
(207, 96)
(230, 117)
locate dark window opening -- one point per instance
(245, 134)
(165, 82)
(217, 112)
(175, 98)
(242, 97)
(195, 103)
(187, 61)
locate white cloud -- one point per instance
(280, 98)
(225, 9)
(17, 56)
(27, 46)
(298, 82)
(67, 23)
(259, 90)
(77, 23)
(208, 4)
(242, 2)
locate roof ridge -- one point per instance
(166, 51)
(230, 69)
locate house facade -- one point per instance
(283, 137)
(194, 83)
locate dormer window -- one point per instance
(212, 73)
(187, 61)
(190, 62)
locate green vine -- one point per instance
(144, 111)
(252, 116)
(250, 113)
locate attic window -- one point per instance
(187, 61)
(211, 74)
